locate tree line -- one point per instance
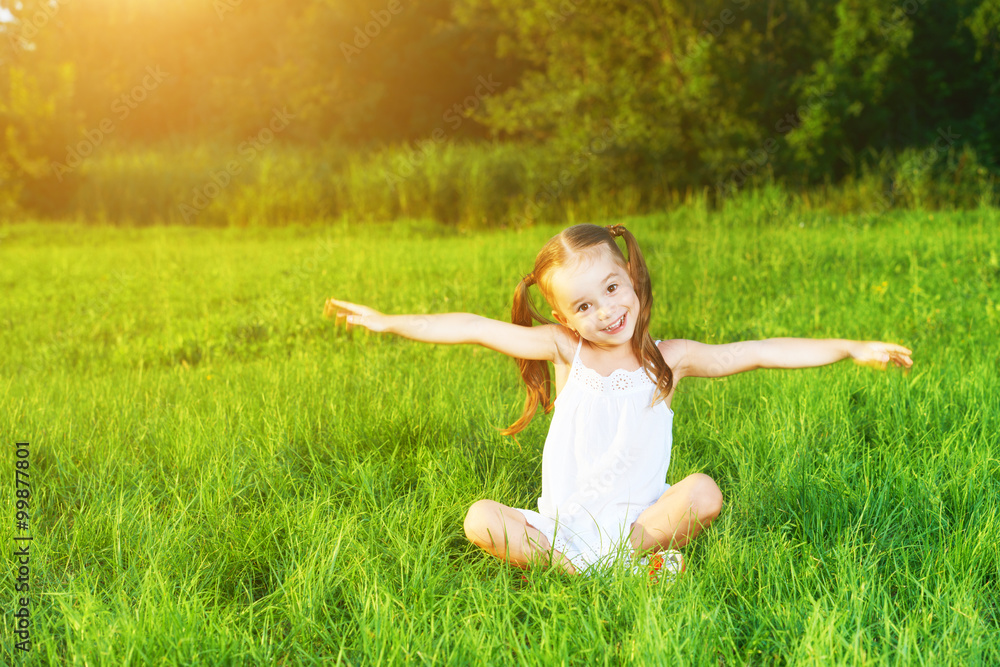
(699, 94)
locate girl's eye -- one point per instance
(612, 287)
(583, 307)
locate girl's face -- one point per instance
(595, 298)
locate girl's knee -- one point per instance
(706, 495)
(482, 515)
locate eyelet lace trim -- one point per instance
(619, 382)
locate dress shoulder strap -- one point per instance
(579, 346)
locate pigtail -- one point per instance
(534, 372)
(643, 345)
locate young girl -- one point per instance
(605, 458)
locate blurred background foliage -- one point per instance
(491, 112)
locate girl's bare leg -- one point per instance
(503, 532)
(683, 511)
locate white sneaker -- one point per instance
(661, 566)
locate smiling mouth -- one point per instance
(616, 326)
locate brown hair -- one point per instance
(562, 249)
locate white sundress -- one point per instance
(605, 461)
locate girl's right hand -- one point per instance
(514, 340)
(354, 315)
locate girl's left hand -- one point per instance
(878, 355)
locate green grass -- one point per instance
(220, 477)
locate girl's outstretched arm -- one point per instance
(539, 342)
(693, 359)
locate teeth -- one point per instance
(617, 324)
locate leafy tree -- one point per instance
(38, 120)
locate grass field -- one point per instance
(220, 477)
